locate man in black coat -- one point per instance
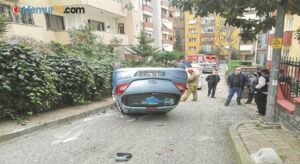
(236, 83)
(212, 81)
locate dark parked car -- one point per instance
(148, 90)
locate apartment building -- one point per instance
(290, 45)
(111, 19)
(158, 23)
(209, 35)
(179, 25)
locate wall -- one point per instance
(290, 120)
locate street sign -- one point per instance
(277, 43)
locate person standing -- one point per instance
(180, 64)
(192, 84)
(236, 82)
(212, 81)
(261, 92)
(253, 80)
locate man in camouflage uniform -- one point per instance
(192, 84)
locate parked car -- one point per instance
(148, 90)
(209, 67)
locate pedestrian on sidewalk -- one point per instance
(252, 82)
(192, 85)
(212, 81)
(236, 83)
(261, 92)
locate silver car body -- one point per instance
(148, 90)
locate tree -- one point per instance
(233, 12)
(144, 48)
(3, 24)
(298, 34)
(178, 44)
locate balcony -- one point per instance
(287, 38)
(110, 6)
(147, 25)
(147, 8)
(32, 31)
(164, 4)
(167, 41)
(107, 37)
(164, 29)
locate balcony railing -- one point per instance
(148, 25)
(289, 80)
(148, 8)
(167, 41)
(167, 30)
(164, 4)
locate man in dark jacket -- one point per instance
(236, 82)
(261, 92)
(212, 81)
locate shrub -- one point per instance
(25, 82)
(73, 78)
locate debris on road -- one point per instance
(123, 156)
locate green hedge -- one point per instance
(32, 83)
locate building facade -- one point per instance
(157, 22)
(290, 45)
(179, 26)
(110, 19)
(209, 35)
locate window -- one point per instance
(193, 48)
(290, 24)
(177, 14)
(164, 13)
(147, 2)
(121, 28)
(55, 22)
(192, 31)
(147, 19)
(98, 26)
(192, 21)
(270, 53)
(207, 40)
(23, 18)
(192, 39)
(208, 20)
(208, 30)
(206, 47)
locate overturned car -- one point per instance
(148, 90)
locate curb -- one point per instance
(240, 150)
(53, 123)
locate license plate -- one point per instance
(151, 73)
(151, 108)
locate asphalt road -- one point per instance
(193, 133)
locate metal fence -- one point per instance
(289, 79)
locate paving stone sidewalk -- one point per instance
(254, 136)
(10, 129)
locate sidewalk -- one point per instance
(10, 129)
(249, 137)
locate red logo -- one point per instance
(15, 9)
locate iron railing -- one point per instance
(289, 81)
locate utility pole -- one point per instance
(273, 84)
